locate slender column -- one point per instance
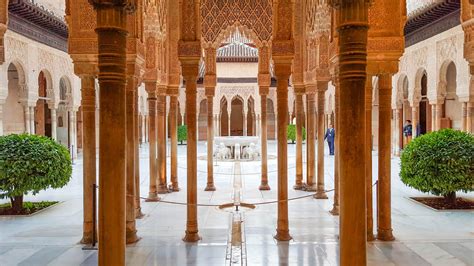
(32, 120)
(352, 27)
(190, 72)
(433, 117)
(400, 129)
(138, 208)
(464, 116)
(245, 123)
(299, 185)
(414, 119)
(320, 193)
(439, 115)
(89, 154)
(470, 116)
(384, 215)
(26, 110)
(210, 140)
(228, 123)
(2, 102)
(310, 145)
(54, 126)
(131, 231)
(174, 141)
(111, 31)
(153, 190)
(368, 157)
(335, 207)
(161, 109)
(283, 73)
(263, 140)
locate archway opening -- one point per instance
(452, 108)
(237, 117)
(271, 119)
(224, 118)
(424, 107)
(42, 112)
(251, 118)
(406, 111)
(13, 114)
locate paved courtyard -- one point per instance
(423, 236)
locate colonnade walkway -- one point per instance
(424, 236)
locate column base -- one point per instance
(283, 235)
(138, 213)
(385, 235)
(210, 187)
(86, 239)
(131, 237)
(152, 197)
(321, 194)
(311, 188)
(264, 186)
(335, 210)
(299, 186)
(162, 189)
(370, 236)
(191, 237)
(174, 187)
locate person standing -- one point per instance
(330, 136)
(408, 131)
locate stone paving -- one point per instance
(424, 236)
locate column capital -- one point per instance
(299, 89)
(263, 90)
(161, 91)
(210, 91)
(210, 80)
(151, 87)
(172, 91)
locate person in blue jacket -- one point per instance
(330, 136)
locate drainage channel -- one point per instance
(236, 251)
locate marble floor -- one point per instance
(423, 236)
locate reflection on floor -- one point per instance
(424, 237)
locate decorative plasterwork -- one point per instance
(219, 15)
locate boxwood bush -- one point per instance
(291, 133)
(29, 164)
(440, 162)
(182, 133)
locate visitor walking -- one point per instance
(408, 131)
(330, 136)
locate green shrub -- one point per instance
(440, 162)
(29, 164)
(182, 133)
(291, 133)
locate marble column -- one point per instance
(138, 209)
(131, 231)
(400, 129)
(111, 31)
(89, 146)
(433, 117)
(368, 157)
(282, 72)
(2, 102)
(414, 119)
(174, 141)
(439, 115)
(153, 189)
(210, 140)
(54, 125)
(335, 206)
(263, 138)
(161, 132)
(190, 71)
(299, 185)
(352, 26)
(470, 116)
(32, 120)
(320, 192)
(464, 117)
(310, 145)
(384, 215)
(26, 110)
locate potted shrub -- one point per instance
(441, 163)
(291, 133)
(182, 133)
(29, 164)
